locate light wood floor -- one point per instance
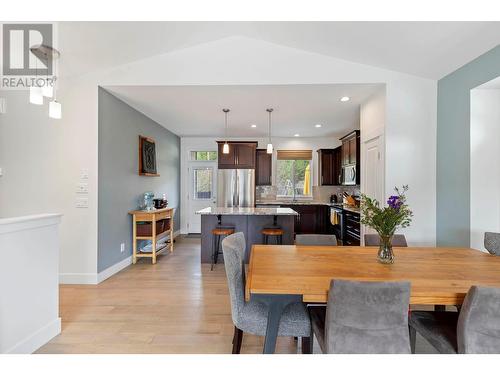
(175, 306)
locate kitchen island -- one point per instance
(248, 220)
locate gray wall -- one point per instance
(120, 186)
(453, 147)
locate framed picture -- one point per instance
(147, 156)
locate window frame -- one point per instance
(195, 191)
(203, 161)
(275, 180)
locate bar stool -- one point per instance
(218, 234)
(274, 231)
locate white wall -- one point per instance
(29, 282)
(484, 162)
(410, 129)
(189, 144)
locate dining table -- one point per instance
(282, 274)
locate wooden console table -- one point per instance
(152, 217)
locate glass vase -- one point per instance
(385, 253)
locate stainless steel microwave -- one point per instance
(349, 175)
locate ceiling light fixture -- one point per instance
(296, 135)
(269, 144)
(225, 148)
(345, 99)
(253, 126)
(317, 126)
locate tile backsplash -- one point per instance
(320, 193)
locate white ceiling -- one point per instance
(197, 110)
(425, 49)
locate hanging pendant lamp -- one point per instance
(225, 148)
(269, 144)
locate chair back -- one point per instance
(316, 239)
(478, 328)
(398, 240)
(492, 242)
(233, 248)
(367, 317)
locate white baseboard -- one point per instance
(110, 271)
(39, 338)
(96, 278)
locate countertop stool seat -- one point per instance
(273, 232)
(218, 234)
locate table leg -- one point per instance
(134, 240)
(276, 304)
(153, 245)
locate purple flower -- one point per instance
(394, 202)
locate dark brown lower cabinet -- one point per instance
(312, 218)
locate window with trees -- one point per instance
(293, 173)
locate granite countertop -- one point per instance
(340, 205)
(246, 211)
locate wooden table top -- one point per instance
(438, 276)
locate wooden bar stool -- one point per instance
(219, 233)
(274, 231)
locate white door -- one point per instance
(372, 171)
(202, 191)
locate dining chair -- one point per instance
(476, 329)
(492, 242)
(251, 317)
(316, 239)
(363, 317)
(398, 240)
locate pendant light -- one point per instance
(36, 96)
(225, 148)
(48, 89)
(269, 144)
(55, 107)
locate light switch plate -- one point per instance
(84, 174)
(82, 202)
(82, 188)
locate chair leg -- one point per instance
(237, 339)
(216, 253)
(214, 245)
(413, 338)
(307, 345)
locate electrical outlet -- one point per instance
(122, 248)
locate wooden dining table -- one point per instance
(282, 274)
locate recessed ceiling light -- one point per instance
(345, 99)
(317, 126)
(253, 126)
(296, 135)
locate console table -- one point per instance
(159, 223)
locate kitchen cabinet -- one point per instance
(263, 168)
(350, 148)
(312, 218)
(241, 155)
(330, 166)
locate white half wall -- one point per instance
(484, 161)
(72, 142)
(29, 285)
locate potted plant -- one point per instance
(386, 220)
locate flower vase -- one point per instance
(385, 253)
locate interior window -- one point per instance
(203, 155)
(203, 183)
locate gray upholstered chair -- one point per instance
(398, 240)
(475, 330)
(316, 239)
(492, 242)
(364, 317)
(251, 317)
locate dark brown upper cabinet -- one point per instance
(350, 148)
(330, 166)
(241, 155)
(263, 168)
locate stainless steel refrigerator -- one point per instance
(236, 188)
